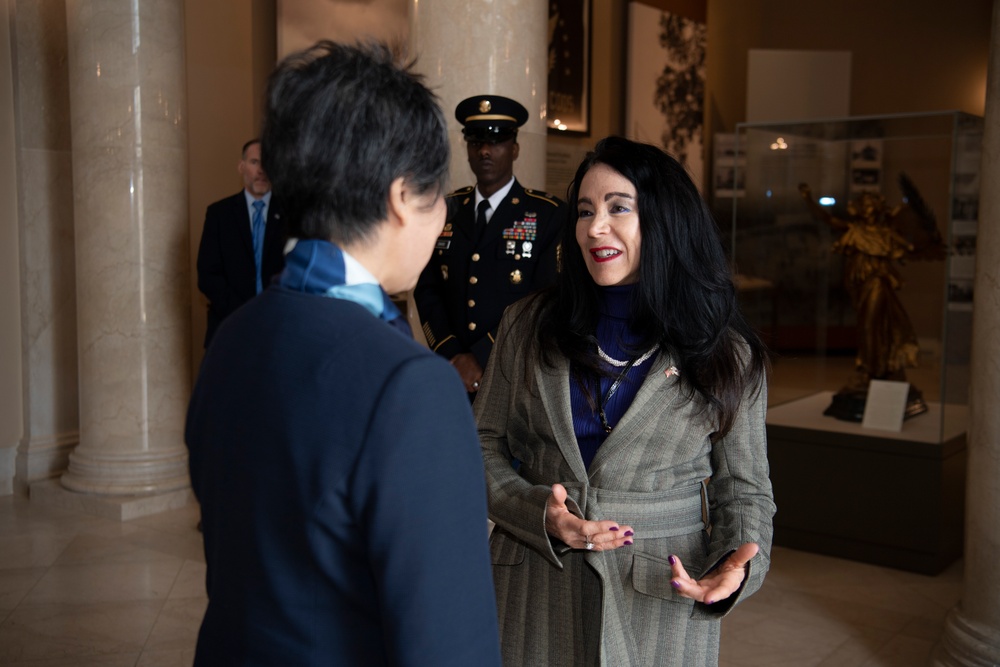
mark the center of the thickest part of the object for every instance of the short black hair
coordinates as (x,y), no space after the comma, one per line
(341,124)
(255,140)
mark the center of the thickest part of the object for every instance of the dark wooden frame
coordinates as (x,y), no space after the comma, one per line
(569,75)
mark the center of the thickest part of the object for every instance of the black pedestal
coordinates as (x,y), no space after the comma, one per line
(849,405)
(892,499)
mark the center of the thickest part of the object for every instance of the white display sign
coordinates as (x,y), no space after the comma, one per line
(886,405)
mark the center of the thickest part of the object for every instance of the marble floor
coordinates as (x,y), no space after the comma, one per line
(82,591)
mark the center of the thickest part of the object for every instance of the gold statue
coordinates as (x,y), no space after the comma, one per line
(874,241)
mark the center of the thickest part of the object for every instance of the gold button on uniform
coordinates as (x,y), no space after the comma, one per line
(472,303)
(475,257)
(472,326)
(473,280)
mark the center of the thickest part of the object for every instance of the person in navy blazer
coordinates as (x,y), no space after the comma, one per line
(335,459)
(227,270)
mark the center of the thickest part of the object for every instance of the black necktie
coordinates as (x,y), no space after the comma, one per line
(481,218)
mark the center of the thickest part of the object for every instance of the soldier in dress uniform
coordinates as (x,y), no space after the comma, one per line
(499,243)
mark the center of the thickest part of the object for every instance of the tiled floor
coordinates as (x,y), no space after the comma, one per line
(82,591)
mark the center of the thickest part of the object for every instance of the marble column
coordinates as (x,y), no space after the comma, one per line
(473,47)
(972,630)
(129,137)
(48,267)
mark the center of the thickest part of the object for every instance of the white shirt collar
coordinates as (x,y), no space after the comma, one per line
(251,199)
(355,273)
(495,198)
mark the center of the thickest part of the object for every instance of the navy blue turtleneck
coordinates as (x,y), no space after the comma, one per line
(619,341)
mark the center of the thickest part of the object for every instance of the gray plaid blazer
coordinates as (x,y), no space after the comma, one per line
(658,472)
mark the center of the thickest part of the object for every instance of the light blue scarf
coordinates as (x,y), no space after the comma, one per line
(320,267)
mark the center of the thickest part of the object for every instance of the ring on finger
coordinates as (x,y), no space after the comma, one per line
(588,545)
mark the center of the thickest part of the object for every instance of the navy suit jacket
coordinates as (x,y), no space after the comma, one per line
(227,273)
(342,494)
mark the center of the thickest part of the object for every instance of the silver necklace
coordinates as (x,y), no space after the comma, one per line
(626,366)
(614,362)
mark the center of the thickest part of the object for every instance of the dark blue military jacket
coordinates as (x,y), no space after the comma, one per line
(471,279)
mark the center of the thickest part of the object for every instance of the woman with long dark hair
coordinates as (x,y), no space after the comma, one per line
(633,394)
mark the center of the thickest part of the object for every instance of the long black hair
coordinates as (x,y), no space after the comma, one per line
(685,298)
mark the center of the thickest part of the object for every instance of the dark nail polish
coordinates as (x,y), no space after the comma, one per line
(628,542)
(675,584)
(672,560)
(614,528)
(629,533)
(709,601)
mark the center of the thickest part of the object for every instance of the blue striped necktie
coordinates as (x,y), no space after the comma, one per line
(258,239)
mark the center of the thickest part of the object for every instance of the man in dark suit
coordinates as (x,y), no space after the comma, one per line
(499,244)
(241,243)
(336,460)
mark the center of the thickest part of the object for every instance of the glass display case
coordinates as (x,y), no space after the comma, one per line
(792,282)
(795,193)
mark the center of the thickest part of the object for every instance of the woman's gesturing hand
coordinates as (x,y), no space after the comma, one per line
(720,583)
(579,533)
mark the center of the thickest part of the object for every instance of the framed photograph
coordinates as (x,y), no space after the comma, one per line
(728,167)
(569,67)
(866,166)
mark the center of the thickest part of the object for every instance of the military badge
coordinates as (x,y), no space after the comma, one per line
(526,249)
(444,271)
(510,247)
(442,244)
(523,230)
(515,277)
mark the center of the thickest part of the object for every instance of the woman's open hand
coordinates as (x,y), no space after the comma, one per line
(720,583)
(579,533)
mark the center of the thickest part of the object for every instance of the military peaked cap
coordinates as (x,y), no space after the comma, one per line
(490,117)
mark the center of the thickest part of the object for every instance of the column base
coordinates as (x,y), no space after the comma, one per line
(51,493)
(130,474)
(966,645)
(43,458)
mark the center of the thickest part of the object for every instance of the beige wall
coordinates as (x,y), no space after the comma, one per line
(917,55)
(230,49)
(11,428)
(907,56)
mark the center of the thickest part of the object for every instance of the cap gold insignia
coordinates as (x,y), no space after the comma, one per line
(515,201)
(485,106)
(515,276)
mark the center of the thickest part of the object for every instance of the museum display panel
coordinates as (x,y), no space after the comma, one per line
(854,245)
